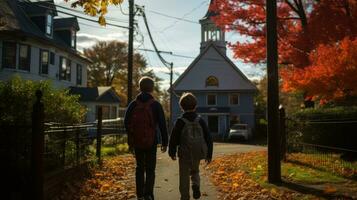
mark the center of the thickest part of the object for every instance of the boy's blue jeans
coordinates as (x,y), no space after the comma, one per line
(145,171)
(188,168)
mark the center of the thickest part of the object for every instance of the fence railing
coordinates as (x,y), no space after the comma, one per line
(37,154)
(341,161)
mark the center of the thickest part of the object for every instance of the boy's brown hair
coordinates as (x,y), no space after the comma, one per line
(146,84)
(188,101)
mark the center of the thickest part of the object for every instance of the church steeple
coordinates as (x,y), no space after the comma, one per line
(210,32)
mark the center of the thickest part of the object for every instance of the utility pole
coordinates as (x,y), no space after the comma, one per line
(171,93)
(274,168)
(130,50)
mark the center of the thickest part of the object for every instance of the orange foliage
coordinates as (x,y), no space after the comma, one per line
(114,179)
(304,27)
(332,74)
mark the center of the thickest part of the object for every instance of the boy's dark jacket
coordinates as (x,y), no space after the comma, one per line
(159,118)
(176,132)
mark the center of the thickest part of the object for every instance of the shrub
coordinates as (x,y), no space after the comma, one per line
(326,126)
(18,96)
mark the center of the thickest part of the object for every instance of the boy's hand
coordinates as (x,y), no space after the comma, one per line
(163,149)
(173,157)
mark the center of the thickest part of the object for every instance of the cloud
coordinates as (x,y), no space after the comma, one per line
(86,40)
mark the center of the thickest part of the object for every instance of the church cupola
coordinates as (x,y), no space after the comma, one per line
(210,32)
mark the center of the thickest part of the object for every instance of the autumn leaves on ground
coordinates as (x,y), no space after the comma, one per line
(237,176)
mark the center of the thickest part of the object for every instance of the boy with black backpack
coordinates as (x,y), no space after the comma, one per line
(142,119)
(194,142)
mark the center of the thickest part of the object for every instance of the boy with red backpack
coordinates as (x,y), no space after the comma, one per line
(143,118)
(193,139)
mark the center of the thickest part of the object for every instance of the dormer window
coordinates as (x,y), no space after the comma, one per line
(73,39)
(212,81)
(49,25)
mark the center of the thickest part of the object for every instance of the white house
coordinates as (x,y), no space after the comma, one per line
(93,97)
(36,44)
(225,95)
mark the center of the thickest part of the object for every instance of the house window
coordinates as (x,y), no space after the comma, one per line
(44,61)
(73,39)
(79,74)
(24,57)
(211,99)
(9,55)
(212,81)
(65,69)
(52,58)
(49,25)
(105,112)
(114,112)
(234,99)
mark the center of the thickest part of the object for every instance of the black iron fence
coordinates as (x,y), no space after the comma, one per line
(36,157)
(326,144)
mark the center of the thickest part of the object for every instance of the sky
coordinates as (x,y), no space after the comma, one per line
(172,35)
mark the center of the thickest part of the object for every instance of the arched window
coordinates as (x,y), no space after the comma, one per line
(212,81)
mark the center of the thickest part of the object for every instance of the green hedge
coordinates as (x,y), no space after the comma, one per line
(18,96)
(334,127)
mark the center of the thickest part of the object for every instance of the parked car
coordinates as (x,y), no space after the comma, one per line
(239,131)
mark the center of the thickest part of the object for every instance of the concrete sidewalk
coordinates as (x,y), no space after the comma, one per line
(167,173)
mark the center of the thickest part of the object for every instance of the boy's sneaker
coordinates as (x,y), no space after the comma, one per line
(196,192)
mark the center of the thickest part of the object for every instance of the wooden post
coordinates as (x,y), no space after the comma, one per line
(77,147)
(99,133)
(130,50)
(38,143)
(274,168)
(63,146)
(282,120)
(171,96)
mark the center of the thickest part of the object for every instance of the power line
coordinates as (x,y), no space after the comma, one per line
(173,17)
(183,17)
(73,15)
(166,64)
(182,56)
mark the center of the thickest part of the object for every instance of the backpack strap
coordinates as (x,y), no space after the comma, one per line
(185,120)
(197,119)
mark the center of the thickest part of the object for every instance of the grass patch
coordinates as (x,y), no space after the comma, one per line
(246,173)
(301,174)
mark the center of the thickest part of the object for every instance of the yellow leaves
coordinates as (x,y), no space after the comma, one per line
(96,7)
(329,189)
(113,180)
(105,188)
(101,20)
(232,175)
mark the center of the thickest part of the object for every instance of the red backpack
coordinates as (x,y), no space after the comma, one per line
(142,125)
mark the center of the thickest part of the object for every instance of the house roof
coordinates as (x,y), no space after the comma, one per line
(64,23)
(96,94)
(17,23)
(39,8)
(246,84)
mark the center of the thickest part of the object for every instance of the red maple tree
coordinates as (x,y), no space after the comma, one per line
(332,74)
(304,27)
